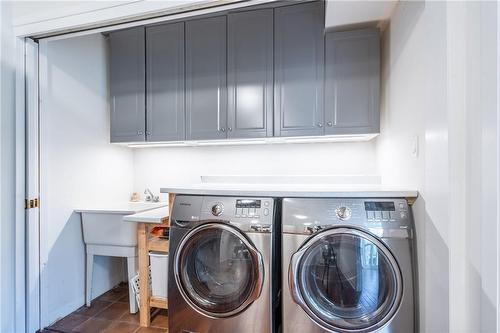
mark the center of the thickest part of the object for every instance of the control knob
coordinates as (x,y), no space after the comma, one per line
(343,213)
(217,209)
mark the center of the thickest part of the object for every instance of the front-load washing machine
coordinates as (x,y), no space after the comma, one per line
(220,268)
(348,266)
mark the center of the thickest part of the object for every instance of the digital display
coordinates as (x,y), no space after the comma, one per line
(247,203)
(379,206)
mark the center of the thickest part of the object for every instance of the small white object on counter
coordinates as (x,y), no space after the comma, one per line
(158,215)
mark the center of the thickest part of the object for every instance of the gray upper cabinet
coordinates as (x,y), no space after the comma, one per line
(244,74)
(352,82)
(206,91)
(127,85)
(165,82)
(250,74)
(299,69)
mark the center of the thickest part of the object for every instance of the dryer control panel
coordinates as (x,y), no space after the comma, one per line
(377,214)
(237,208)
(252,214)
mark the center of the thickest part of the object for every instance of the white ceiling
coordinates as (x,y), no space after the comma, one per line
(34,18)
(345,13)
(30,16)
(33,11)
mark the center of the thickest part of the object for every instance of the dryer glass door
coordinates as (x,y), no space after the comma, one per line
(345,280)
(218,270)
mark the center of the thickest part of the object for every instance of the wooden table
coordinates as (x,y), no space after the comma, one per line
(145,244)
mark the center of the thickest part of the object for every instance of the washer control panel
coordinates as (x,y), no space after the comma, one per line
(252,208)
(253,214)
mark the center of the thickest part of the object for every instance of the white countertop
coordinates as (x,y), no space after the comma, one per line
(124,208)
(292,190)
(158,215)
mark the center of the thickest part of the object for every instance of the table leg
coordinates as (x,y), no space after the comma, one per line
(143,258)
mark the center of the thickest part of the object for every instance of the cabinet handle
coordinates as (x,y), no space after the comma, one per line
(140,132)
(230,129)
(218,109)
(330,124)
(222,130)
(320,125)
(148,133)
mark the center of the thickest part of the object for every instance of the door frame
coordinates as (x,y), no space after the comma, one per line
(32,187)
(21,293)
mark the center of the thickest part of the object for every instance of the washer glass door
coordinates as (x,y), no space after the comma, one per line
(218,270)
(346,280)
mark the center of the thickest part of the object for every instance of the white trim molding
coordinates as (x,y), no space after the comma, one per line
(96,17)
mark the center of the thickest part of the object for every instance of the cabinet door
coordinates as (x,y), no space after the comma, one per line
(352,82)
(250,74)
(206,91)
(165,82)
(127,85)
(299,58)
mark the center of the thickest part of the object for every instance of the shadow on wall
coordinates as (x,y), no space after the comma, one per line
(409,13)
(436,280)
(432,272)
(413,83)
(65,67)
(108,272)
(488,307)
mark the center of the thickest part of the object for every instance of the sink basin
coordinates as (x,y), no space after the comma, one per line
(103,225)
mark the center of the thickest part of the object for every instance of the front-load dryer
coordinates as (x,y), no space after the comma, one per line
(220,267)
(348,266)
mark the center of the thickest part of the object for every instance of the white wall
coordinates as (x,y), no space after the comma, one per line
(78,168)
(7,175)
(439,74)
(482,171)
(161,167)
(414,109)
(339,14)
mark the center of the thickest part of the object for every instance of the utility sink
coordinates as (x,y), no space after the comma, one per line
(106,234)
(104,225)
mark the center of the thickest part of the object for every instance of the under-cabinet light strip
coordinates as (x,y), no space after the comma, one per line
(332,138)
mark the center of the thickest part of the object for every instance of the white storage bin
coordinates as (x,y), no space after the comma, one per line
(135,282)
(159,274)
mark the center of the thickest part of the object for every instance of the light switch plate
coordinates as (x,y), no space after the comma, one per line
(414,148)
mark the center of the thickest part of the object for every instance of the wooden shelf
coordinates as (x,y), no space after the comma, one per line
(145,244)
(160,303)
(158,245)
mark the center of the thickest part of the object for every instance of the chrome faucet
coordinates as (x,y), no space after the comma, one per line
(150,196)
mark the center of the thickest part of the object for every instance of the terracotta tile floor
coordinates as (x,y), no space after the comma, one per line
(109,314)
